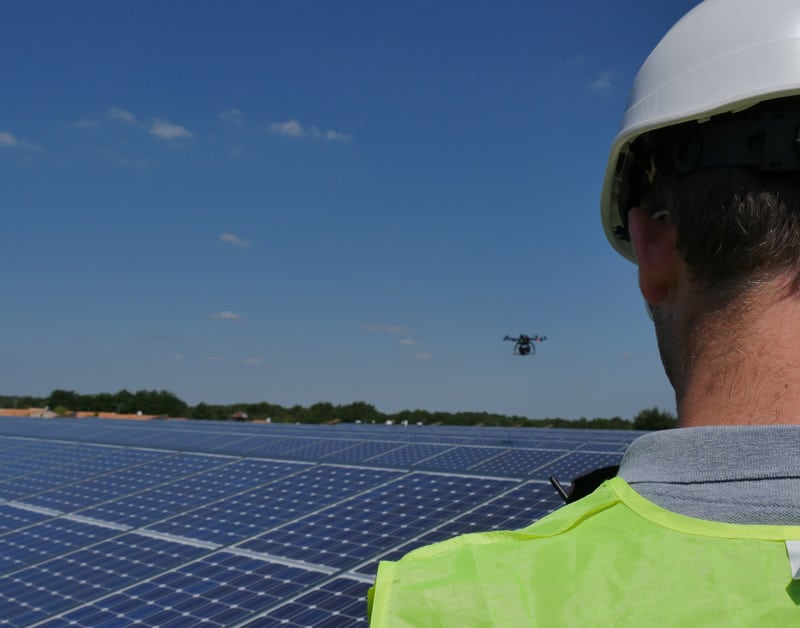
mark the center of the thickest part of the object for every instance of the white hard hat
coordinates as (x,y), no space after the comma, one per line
(723,56)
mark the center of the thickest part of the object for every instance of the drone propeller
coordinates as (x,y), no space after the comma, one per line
(525,339)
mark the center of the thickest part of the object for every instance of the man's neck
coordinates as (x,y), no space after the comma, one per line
(745,369)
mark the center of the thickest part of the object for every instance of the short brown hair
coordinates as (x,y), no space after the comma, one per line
(734,224)
(731,187)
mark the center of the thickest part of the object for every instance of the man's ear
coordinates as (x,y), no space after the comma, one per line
(654,241)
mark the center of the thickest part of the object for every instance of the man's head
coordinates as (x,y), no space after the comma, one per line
(702,188)
(731,188)
(721,64)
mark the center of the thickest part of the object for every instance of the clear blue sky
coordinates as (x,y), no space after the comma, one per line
(301,201)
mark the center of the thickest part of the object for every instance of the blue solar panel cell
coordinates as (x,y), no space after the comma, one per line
(341,602)
(318,448)
(45,540)
(25,457)
(204,591)
(408,455)
(346,534)
(251,512)
(361,452)
(461,458)
(130,480)
(517,462)
(82,469)
(271,446)
(12,518)
(227,478)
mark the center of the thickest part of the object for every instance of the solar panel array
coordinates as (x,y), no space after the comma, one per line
(176,523)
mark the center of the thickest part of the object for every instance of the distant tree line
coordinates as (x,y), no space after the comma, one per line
(156,402)
(166,403)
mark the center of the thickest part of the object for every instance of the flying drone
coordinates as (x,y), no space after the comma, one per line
(523,345)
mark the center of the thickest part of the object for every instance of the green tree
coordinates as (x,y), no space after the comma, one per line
(654,419)
(322,412)
(123,402)
(360,411)
(22,401)
(201,411)
(64,398)
(296,414)
(413,416)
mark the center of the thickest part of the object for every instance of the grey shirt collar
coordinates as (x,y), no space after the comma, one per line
(737,474)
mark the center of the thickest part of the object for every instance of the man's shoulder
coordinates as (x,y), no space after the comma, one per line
(550,526)
(478,567)
(590,563)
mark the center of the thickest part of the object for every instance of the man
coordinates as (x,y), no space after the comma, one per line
(702,525)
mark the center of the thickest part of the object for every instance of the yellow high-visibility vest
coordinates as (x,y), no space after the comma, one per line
(610,559)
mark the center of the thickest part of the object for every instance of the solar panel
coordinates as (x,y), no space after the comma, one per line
(224,589)
(337,603)
(45,540)
(518,462)
(176,497)
(175,523)
(12,518)
(462,457)
(353,530)
(361,451)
